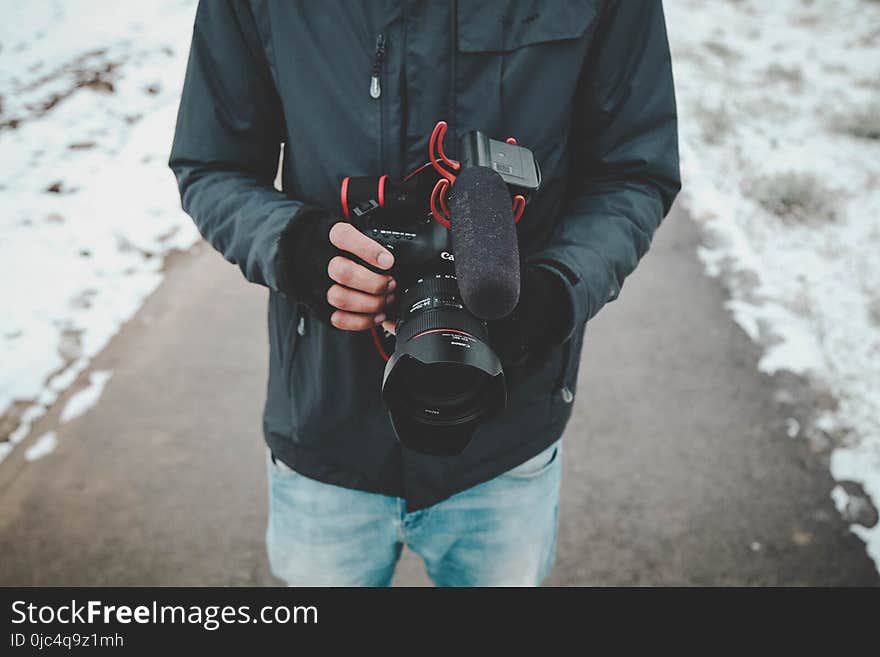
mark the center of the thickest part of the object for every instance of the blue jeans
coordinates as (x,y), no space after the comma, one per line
(498,533)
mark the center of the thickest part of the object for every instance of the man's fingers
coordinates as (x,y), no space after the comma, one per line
(348,238)
(347,321)
(390,326)
(360,294)
(345,298)
(350,274)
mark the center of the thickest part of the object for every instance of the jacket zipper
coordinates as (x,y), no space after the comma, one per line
(376,78)
(376,92)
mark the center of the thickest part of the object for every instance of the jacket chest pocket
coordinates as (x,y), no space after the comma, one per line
(503,26)
(518,64)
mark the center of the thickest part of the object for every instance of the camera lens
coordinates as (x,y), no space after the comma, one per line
(443,393)
(443,377)
(443,384)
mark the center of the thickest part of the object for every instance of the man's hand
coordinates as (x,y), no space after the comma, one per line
(358,294)
(324,263)
(541,321)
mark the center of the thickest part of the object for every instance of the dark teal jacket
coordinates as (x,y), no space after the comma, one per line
(586,84)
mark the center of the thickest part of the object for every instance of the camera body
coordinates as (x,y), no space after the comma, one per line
(420,246)
(442,378)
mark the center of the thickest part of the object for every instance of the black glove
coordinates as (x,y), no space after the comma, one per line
(542,318)
(304,251)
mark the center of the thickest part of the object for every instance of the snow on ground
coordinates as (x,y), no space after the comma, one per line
(84,399)
(779,109)
(88,97)
(42,446)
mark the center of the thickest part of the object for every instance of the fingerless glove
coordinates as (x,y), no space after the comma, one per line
(541,320)
(304,252)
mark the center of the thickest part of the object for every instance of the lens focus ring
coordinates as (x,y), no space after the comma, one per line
(452,320)
(441,285)
(435,303)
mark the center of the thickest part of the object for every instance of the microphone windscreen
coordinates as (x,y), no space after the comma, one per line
(484,243)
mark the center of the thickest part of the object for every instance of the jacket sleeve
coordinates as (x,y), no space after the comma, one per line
(624,158)
(227,142)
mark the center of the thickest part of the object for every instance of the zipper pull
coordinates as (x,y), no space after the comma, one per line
(375,83)
(301,327)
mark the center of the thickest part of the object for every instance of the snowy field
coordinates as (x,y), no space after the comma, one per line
(779,106)
(780,131)
(88,99)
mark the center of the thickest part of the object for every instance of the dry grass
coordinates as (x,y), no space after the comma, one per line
(793,77)
(874,311)
(715,123)
(722,51)
(863,123)
(798,197)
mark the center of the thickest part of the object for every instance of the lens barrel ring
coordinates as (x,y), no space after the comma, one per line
(446,318)
(441,285)
(435,303)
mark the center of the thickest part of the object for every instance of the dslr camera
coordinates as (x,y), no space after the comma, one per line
(442,377)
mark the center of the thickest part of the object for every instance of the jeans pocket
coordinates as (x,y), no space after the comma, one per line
(537,465)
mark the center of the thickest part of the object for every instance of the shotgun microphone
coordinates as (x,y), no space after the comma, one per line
(484,242)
